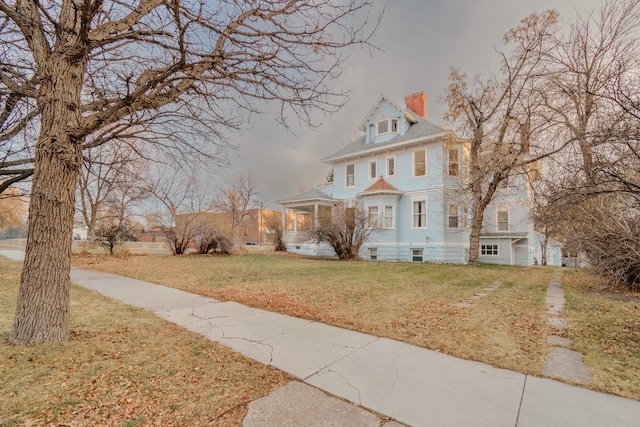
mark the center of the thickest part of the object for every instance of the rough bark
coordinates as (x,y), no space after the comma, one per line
(147,67)
(42,312)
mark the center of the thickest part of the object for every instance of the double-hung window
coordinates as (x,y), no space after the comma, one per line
(373,173)
(417,255)
(351,175)
(420,214)
(419,163)
(388,217)
(453,216)
(373,217)
(391,166)
(454,165)
(503,220)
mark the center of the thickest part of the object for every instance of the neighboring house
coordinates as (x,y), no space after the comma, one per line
(408,172)
(156,234)
(254,229)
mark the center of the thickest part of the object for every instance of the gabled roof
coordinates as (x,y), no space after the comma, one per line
(380,184)
(410,115)
(421,129)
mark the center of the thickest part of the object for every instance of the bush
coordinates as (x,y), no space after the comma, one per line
(607,231)
(348,228)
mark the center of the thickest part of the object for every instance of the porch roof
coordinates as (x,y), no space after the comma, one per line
(504,235)
(311,196)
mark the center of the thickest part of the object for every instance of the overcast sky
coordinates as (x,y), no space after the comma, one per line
(421,40)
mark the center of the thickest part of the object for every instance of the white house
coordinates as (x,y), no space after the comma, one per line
(407,171)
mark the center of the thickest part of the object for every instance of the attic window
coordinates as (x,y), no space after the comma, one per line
(386,126)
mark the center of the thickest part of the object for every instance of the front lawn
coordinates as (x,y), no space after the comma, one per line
(122,367)
(404,301)
(413,303)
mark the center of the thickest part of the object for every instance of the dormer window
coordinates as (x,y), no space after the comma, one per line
(386,126)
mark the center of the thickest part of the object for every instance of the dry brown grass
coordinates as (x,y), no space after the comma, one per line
(605,327)
(122,367)
(404,301)
(413,303)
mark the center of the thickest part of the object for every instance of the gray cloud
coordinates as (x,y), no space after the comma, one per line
(420,41)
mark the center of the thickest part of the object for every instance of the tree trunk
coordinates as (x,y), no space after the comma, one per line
(544,247)
(474,238)
(42,312)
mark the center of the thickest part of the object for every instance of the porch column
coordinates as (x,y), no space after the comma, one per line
(315,215)
(284,220)
(512,244)
(295,221)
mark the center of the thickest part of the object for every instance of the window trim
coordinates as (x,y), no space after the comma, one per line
(491,249)
(413,169)
(500,209)
(384,217)
(450,163)
(389,123)
(413,214)
(376,223)
(381,123)
(413,254)
(456,208)
(374,176)
(389,174)
(346,175)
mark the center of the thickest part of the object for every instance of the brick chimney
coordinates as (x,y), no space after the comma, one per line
(417,103)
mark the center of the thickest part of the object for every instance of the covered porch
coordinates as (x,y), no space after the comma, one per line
(506,248)
(303,212)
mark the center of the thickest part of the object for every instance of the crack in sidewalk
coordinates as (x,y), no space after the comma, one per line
(348,383)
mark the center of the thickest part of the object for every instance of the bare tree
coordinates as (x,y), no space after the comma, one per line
(109,181)
(496,115)
(591,95)
(88,68)
(184,202)
(346,231)
(273,225)
(128,191)
(582,67)
(179,236)
(237,199)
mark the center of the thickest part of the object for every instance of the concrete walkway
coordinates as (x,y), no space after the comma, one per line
(398,381)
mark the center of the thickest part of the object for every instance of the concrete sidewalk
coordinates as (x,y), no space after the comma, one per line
(412,385)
